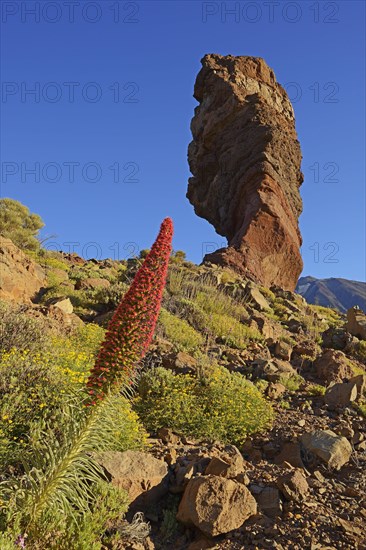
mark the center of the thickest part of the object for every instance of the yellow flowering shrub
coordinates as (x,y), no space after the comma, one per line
(221,405)
(35,384)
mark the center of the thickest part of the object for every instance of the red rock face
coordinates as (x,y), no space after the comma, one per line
(245,159)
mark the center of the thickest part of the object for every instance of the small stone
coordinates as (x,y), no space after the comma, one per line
(334,450)
(269,502)
(215,505)
(293,485)
(229,464)
(360,381)
(275,390)
(168,436)
(283,350)
(290,453)
(340,395)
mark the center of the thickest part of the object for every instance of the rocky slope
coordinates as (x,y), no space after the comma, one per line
(337,293)
(300,484)
(21,277)
(245,159)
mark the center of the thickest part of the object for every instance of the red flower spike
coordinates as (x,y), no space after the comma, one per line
(132,326)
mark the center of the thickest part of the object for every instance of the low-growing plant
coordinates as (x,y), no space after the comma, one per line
(316,389)
(360,406)
(221,405)
(34,385)
(62,476)
(267,293)
(280,310)
(331,315)
(261,384)
(110,296)
(53,263)
(231,331)
(19,330)
(291,383)
(169,524)
(179,332)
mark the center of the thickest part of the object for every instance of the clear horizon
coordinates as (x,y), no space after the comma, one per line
(97,102)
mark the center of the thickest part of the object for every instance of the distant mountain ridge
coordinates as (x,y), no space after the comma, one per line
(337,293)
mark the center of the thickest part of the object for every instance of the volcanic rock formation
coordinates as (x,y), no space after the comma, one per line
(245,159)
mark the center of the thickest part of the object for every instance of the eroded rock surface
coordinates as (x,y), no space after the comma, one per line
(20,277)
(245,160)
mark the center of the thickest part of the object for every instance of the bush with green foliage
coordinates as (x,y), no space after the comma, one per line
(19,224)
(291,383)
(110,296)
(36,384)
(221,405)
(179,332)
(61,475)
(20,330)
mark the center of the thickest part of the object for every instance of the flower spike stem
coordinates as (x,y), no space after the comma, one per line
(132,326)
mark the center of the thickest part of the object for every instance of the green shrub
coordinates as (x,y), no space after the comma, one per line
(213,301)
(331,316)
(360,407)
(110,296)
(98,526)
(222,406)
(53,263)
(35,384)
(280,310)
(179,332)
(291,383)
(18,224)
(19,330)
(268,294)
(178,257)
(316,389)
(230,331)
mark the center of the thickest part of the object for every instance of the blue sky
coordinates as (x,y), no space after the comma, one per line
(106,130)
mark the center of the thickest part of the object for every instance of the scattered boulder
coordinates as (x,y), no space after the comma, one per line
(256,298)
(332,449)
(275,390)
(283,350)
(336,338)
(103,319)
(340,395)
(296,326)
(333,366)
(274,370)
(215,505)
(91,283)
(290,453)
(168,436)
(293,485)
(307,347)
(21,278)
(62,303)
(144,477)
(180,362)
(269,502)
(74,258)
(360,381)
(269,329)
(356,322)
(229,464)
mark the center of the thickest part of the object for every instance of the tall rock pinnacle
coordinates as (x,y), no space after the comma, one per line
(245,159)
